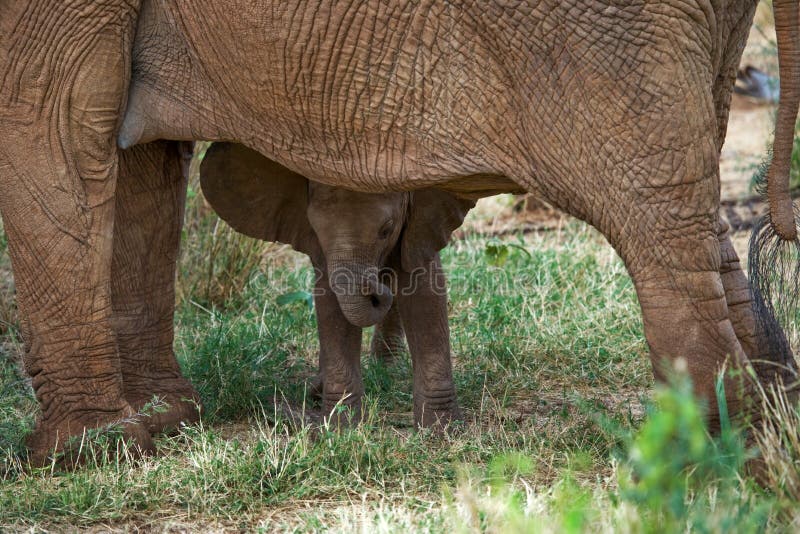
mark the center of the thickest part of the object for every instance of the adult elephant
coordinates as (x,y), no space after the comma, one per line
(613,111)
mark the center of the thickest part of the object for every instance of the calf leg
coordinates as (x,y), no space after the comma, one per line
(339,358)
(388,340)
(422,301)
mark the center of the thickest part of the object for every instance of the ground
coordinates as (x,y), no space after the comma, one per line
(550,365)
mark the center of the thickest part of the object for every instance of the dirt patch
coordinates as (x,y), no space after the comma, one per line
(749,133)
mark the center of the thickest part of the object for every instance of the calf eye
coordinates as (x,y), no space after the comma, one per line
(386,229)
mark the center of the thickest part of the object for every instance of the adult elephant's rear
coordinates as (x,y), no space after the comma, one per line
(612,111)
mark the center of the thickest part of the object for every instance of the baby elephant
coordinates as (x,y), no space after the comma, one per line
(360,245)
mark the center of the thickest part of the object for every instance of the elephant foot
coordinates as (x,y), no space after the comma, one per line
(91,434)
(315,387)
(342,410)
(439,420)
(164,403)
(437,413)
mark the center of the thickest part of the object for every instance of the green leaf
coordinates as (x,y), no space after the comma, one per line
(497,254)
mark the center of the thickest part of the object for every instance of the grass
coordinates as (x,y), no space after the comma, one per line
(551,369)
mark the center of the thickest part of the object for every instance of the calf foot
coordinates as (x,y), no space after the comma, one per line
(315,387)
(164,403)
(342,409)
(81,435)
(437,409)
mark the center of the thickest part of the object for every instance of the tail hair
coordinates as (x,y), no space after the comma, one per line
(774,271)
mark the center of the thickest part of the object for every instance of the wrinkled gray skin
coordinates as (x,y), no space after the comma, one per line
(358,243)
(613,111)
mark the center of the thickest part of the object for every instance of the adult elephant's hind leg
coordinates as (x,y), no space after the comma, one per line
(672,251)
(149,215)
(772,358)
(62,98)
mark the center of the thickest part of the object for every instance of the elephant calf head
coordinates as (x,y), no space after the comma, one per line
(350,234)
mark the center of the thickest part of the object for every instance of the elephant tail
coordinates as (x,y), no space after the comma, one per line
(774,255)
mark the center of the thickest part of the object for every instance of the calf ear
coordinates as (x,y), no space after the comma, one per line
(257,196)
(433,216)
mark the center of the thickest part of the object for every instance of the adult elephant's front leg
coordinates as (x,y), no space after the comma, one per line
(422,301)
(62,98)
(149,215)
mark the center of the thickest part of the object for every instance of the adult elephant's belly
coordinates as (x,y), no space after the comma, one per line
(354,96)
(359,158)
(405,168)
